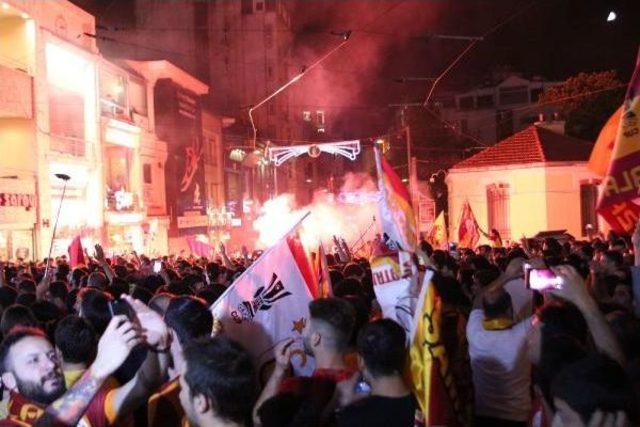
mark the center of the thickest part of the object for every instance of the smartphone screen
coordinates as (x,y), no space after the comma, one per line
(543,279)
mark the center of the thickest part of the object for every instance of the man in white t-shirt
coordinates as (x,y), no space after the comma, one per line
(521,298)
(499,363)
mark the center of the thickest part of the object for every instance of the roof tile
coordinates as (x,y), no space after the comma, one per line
(531,145)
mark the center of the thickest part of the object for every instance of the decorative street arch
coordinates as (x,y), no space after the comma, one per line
(348,149)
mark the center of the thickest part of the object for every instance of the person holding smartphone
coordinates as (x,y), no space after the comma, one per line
(497,348)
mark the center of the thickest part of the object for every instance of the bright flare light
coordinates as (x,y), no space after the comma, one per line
(328,216)
(612,16)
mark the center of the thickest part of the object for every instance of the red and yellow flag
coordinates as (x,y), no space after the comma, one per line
(321,272)
(621,185)
(431,376)
(396,211)
(601,153)
(468,233)
(437,236)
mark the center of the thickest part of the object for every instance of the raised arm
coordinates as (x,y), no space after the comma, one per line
(117,341)
(225,259)
(102,260)
(513,271)
(280,372)
(574,290)
(153,371)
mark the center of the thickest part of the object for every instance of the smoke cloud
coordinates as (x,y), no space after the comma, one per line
(349,214)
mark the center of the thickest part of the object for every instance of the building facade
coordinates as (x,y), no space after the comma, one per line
(494,112)
(193,138)
(65,110)
(536,180)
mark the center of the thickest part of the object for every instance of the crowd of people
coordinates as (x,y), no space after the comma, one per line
(132,341)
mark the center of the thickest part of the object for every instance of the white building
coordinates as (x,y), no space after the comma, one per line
(533,181)
(133,162)
(65,110)
(492,113)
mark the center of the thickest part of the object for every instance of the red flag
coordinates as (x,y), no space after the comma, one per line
(76,253)
(468,234)
(621,185)
(396,211)
(199,248)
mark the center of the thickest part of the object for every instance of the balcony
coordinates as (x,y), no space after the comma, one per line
(68,145)
(16,94)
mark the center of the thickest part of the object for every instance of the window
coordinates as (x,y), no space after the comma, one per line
(146,173)
(246,7)
(466,103)
(588,201)
(138,98)
(271,5)
(320,117)
(514,95)
(485,101)
(306,116)
(535,94)
(498,209)
(66,113)
(113,96)
(259,6)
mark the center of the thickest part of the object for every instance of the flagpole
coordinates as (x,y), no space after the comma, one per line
(251,267)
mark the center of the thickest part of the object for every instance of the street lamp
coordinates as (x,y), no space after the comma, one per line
(65,178)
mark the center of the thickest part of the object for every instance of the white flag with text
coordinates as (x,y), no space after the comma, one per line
(269,303)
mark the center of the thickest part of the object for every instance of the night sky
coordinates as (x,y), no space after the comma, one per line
(548,38)
(553,39)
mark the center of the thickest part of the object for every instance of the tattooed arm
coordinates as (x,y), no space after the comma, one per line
(120,337)
(67,410)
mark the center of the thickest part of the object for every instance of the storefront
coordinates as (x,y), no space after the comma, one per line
(18,204)
(80,213)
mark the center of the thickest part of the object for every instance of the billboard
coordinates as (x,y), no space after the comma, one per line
(179,123)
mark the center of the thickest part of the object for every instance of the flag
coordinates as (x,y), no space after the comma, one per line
(468,234)
(621,184)
(394,283)
(269,303)
(76,253)
(199,248)
(602,149)
(398,218)
(437,236)
(321,272)
(430,370)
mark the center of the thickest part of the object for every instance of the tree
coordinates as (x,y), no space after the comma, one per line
(586,101)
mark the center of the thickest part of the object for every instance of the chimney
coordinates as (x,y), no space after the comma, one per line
(553,124)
